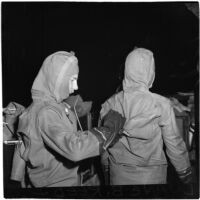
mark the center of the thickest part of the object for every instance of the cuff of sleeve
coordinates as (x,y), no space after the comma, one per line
(185,172)
(101,138)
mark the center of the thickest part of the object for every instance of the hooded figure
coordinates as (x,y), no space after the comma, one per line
(52,146)
(138,157)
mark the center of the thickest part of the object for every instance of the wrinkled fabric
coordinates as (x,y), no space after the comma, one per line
(138,158)
(52,147)
(18,165)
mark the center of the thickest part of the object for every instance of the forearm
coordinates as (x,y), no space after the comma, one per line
(75,147)
(175,146)
(178,154)
(60,135)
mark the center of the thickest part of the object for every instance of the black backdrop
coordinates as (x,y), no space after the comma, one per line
(101,35)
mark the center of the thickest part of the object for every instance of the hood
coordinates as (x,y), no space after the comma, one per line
(52,81)
(139,70)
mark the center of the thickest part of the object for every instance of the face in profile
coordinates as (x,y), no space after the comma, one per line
(73,83)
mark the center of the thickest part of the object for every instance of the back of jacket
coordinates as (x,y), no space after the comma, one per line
(150,120)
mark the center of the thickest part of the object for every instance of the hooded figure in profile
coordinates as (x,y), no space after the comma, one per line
(52,147)
(138,157)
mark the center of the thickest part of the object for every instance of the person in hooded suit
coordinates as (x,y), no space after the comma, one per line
(52,147)
(139,157)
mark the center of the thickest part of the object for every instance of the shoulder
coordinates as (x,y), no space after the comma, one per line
(148,100)
(49,109)
(161,99)
(164,103)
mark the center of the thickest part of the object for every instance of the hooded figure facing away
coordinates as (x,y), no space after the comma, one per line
(52,148)
(138,157)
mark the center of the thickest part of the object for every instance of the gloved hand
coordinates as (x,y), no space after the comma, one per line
(186,176)
(76,102)
(10,117)
(111,130)
(13,109)
(113,121)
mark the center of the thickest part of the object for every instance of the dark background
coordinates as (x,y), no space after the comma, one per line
(101,35)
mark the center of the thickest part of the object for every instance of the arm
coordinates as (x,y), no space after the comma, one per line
(175,146)
(18,165)
(61,137)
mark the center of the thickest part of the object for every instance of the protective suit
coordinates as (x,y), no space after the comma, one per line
(138,157)
(52,147)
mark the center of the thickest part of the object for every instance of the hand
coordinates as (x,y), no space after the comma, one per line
(110,132)
(114,121)
(186,176)
(105,137)
(13,109)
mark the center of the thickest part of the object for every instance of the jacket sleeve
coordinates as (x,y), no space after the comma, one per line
(60,136)
(175,146)
(18,165)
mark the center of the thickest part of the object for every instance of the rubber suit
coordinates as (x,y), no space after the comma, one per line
(138,157)
(52,147)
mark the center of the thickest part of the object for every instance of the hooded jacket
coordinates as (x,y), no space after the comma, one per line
(138,158)
(52,146)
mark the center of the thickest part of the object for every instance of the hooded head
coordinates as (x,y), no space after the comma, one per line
(139,69)
(53,79)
